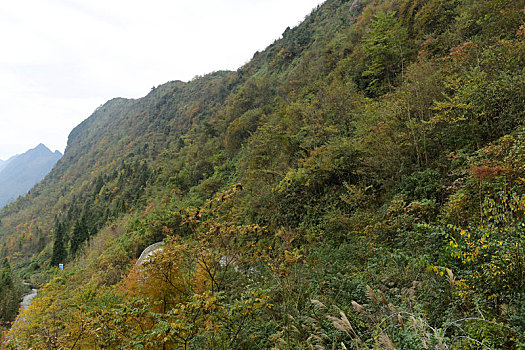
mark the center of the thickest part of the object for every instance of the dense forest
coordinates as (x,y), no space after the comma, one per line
(359,184)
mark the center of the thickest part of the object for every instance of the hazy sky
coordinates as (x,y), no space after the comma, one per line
(60,59)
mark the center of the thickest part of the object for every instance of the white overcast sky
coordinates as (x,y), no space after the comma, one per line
(60,59)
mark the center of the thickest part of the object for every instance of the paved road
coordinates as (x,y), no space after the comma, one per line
(149,251)
(27,299)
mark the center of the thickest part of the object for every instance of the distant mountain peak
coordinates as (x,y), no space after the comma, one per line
(41,147)
(20,173)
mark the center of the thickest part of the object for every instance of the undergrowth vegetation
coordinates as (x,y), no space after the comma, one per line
(360,184)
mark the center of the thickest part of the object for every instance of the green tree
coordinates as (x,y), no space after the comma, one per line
(9,293)
(79,236)
(240,129)
(386,50)
(59,250)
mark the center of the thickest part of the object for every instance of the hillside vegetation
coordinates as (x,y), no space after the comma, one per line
(359,184)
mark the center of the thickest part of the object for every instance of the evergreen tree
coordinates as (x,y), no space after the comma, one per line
(80,235)
(59,250)
(9,294)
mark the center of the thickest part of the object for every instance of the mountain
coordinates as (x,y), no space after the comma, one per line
(20,173)
(357,184)
(3,163)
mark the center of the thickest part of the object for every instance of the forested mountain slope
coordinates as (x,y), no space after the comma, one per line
(359,182)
